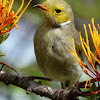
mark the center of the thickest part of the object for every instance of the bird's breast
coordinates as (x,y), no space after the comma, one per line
(54,60)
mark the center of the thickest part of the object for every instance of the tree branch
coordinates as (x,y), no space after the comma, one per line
(3,63)
(31,86)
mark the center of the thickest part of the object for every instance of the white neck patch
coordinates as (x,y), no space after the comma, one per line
(65,23)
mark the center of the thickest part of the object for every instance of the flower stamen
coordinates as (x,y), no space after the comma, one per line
(8,18)
(90,56)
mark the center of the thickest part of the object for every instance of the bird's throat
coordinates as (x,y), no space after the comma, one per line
(65,23)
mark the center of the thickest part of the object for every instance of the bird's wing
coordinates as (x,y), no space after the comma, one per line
(79,51)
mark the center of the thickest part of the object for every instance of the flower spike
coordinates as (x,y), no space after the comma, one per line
(8,18)
(90,56)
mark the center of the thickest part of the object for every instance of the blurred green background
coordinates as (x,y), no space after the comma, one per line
(19,47)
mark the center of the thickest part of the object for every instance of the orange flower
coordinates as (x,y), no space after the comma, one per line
(8,18)
(90,56)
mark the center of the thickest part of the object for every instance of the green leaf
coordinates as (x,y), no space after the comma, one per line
(94,88)
(7,27)
(3,37)
(2,54)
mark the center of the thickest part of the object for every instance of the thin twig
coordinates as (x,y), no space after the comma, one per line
(8,66)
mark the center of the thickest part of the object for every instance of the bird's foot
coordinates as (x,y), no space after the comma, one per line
(75,91)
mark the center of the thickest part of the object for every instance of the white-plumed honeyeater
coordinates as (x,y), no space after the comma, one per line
(50,42)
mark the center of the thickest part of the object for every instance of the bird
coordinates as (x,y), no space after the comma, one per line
(51,39)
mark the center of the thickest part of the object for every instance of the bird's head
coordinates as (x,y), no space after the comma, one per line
(57,12)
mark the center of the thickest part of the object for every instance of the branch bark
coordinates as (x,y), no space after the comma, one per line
(28,83)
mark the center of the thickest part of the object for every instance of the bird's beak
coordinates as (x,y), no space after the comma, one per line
(42,6)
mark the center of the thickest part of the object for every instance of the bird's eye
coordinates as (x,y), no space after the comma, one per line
(58,10)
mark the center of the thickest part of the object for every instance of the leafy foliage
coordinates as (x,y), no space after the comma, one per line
(2,54)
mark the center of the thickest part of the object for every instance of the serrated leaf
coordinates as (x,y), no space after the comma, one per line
(2,54)
(3,37)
